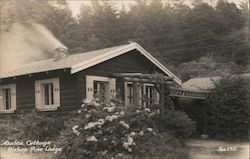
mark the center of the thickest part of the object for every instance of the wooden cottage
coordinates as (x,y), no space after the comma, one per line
(61,84)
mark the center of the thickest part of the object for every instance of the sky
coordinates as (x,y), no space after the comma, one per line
(74,5)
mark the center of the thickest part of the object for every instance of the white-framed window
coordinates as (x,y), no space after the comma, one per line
(150,94)
(147,94)
(8,98)
(47,94)
(101,87)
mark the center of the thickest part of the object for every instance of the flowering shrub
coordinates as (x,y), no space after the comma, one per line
(106,131)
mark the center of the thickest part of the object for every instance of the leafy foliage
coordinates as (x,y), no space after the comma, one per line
(106,131)
(99,131)
(172,31)
(227,110)
(207,67)
(32,126)
(42,127)
(178,124)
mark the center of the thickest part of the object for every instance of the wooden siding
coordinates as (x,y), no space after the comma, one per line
(69,99)
(72,87)
(129,63)
(132,62)
(25,94)
(25,89)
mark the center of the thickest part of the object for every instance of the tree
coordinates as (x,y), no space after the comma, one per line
(227,113)
(98,21)
(59,20)
(172,31)
(230,15)
(55,15)
(207,67)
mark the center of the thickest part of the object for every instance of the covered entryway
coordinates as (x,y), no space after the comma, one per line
(145,89)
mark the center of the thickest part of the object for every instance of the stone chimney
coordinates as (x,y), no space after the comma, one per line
(60,53)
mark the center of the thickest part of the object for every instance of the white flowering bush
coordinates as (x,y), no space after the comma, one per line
(98,130)
(110,131)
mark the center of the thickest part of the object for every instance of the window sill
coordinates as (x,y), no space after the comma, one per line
(7,111)
(44,109)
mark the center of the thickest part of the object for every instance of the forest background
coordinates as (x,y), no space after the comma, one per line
(193,40)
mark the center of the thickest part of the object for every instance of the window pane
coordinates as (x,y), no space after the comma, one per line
(7,98)
(48,95)
(150,93)
(52,93)
(100,90)
(130,93)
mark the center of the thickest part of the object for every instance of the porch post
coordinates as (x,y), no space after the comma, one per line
(162,95)
(162,100)
(204,118)
(135,94)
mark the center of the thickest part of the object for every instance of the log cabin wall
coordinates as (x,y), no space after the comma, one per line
(25,89)
(132,62)
(73,87)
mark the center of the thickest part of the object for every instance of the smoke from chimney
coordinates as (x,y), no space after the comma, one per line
(22,45)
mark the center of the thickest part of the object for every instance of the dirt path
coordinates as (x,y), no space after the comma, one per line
(207,149)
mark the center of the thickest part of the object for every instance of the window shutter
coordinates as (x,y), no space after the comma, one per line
(89,87)
(38,94)
(1,99)
(112,88)
(56,91)
(126,93)
(13,97)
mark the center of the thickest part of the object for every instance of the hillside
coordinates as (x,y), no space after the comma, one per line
(176,33)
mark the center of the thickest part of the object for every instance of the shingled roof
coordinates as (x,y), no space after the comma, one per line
(81,61)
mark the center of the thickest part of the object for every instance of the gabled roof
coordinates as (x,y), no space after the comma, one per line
(82,61)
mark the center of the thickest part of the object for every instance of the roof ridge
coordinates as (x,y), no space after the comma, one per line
(97,50)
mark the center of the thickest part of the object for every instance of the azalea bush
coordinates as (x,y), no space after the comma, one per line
(105,131)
